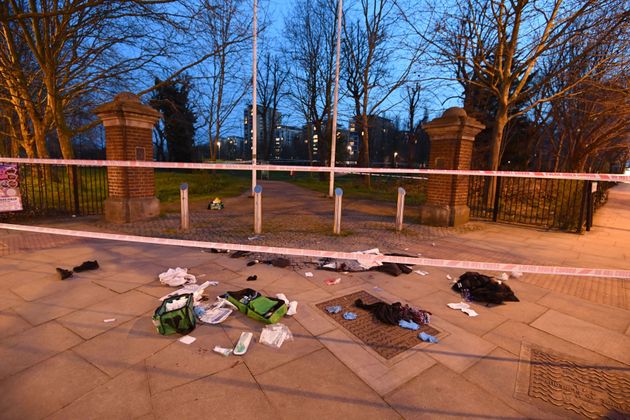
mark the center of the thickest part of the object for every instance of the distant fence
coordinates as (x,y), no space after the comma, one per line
(55,190)
(566,204)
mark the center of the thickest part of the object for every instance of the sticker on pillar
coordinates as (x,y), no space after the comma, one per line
(140,153)
(10,199)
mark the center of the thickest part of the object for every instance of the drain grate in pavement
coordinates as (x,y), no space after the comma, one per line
(386,340)
(590,391)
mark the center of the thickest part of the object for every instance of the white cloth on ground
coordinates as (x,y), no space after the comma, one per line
(176,277)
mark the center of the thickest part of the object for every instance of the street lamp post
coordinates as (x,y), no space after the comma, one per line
(396,159)
(219,145)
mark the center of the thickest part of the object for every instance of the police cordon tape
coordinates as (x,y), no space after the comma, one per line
(337,169)
(430,262)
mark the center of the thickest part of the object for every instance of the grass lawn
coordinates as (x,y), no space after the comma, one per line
(382,188)
(202,184)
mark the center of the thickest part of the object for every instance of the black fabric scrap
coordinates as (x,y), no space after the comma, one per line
(279,262)
(240,254)
(484,289)
(85,266)
(64,274)
(394,313)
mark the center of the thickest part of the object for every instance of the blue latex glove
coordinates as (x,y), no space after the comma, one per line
(427,337)
(333,309)
(349,316)
(410,325)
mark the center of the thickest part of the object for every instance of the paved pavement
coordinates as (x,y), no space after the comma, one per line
(58,359)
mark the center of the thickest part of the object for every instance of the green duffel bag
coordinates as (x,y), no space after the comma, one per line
(180,321)
(241,298)
(266,309)
(254,305)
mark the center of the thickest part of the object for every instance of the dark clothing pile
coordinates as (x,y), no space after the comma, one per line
(394,313)
(393,269)
(481,288)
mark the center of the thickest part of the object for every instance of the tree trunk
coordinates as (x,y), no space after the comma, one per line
(500,121)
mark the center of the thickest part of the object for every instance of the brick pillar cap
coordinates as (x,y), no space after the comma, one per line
(455,112)
(129,104)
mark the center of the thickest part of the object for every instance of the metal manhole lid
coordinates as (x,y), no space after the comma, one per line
(386,340)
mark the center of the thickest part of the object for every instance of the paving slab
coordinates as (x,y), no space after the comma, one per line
(61,303)
(11,323)
(179,363)
(229,394)
(260,358)
(511,335)
(19,277)
(496,373)
(306,389)
(48,386)
(436,303)
(45,286)
(526,291)
(9,299)
(380,374)
(89,322)
(593,337)
(460,349)
(611,318)
(290,284)
(410,286)
(124,346)
(34,345)
(441,393)
(124,397)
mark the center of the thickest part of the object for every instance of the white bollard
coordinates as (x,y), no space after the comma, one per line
(183,196)
(400,208)
(258,209)
(337,223)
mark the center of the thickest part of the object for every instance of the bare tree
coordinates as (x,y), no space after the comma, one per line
(271,80)
(26,115)
(310,40)
(495,45)
(590,121)
(371,46)
(223,29)
(412,99)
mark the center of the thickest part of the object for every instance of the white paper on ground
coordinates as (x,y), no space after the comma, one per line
(464,307)
(282,297)
(176,277)
(308,274)
(215,315)
(109,320)
(195,289)
(460,305)
(292,308)
(422,273)
(470,312)
(222,350)
(368,263)
(187,339)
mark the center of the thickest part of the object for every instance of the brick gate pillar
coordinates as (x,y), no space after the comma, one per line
(452,137)
(128,136)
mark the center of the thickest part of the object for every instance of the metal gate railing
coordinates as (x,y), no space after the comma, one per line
(50,190)
(564,204)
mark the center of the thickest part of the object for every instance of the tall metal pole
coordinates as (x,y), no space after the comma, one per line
(254,105)
(333,141)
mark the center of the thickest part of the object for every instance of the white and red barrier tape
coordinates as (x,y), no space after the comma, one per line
(342,170)
(465,265)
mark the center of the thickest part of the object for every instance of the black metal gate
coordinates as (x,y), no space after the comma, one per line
(565,204)
(52,190)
